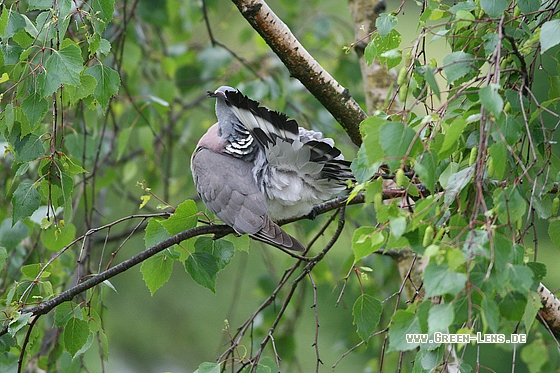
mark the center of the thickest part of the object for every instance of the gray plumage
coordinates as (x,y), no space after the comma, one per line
(255,165)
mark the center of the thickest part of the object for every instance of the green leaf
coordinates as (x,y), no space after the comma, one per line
(221,250)
(453,133)
(398,226)
(203,268)
(85,89)
(491,314)
(184,217)
(370,130)
(7,119)
(75,335)
(513,306)
(456,183)
(28,148)
(491,99)
(387,44)
(535,355)
(63,67)
(534,304)
(17,323)
(367,312)
(366,240)
(65,312)
(539,270)
(34,107)
(71,167)
(379,45)
(440,317)
(39,4)
(520,277)
(25,201)
(156,271)
(155,232)
(440,280)
(431,79)
(12,234)
(103,10)
(550,34)
(509,204)
(499,154)
(108,83)
(385,23)
(554,232)
(491,41)
(57,237)
(494,8)
(403,323)
(457,65)
(208,368)
(98,44)
(518,104)
(370,52)
(241,243)
(6,343)
(399,141)
(31,271)
(528,6)
(16,23)
(426,168)
(11,53)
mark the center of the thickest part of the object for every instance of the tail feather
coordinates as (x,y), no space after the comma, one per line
(272,234)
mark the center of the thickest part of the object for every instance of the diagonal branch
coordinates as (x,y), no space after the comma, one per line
(548,316)
(302,66)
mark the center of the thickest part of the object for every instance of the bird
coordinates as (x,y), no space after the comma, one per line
(256,166)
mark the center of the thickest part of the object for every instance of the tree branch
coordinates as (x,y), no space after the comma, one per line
(302,66)
(549,315)
(67,295)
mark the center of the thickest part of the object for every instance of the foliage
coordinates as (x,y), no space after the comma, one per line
(101,108)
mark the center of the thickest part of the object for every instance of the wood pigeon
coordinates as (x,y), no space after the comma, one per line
(255,165)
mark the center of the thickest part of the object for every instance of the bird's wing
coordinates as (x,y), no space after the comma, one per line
(308,152)
(227,187)
(265,125)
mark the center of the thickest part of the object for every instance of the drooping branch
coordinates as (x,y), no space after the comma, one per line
(48,305)
(302,66)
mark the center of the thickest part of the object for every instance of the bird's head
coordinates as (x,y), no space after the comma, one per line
(227,120)
(220,93)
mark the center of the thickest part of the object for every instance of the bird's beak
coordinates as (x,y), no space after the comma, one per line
(217,94)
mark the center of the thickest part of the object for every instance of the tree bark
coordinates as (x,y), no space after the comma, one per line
(302,66)
(377,80)
(549,315)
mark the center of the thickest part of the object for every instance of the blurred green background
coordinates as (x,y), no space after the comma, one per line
(167,64)
(183,324)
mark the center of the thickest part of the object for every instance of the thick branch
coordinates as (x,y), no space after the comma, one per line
(549,315)
(302,66)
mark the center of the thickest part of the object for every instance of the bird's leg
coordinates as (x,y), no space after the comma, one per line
(217,236)
(312,214)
